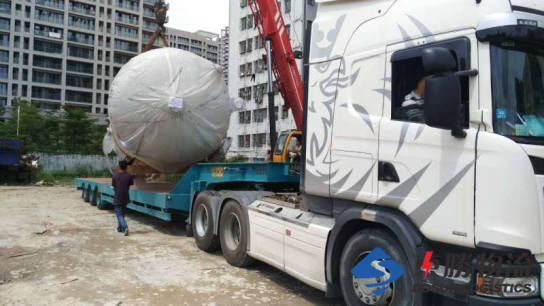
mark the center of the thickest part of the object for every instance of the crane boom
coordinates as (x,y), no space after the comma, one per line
(269,21)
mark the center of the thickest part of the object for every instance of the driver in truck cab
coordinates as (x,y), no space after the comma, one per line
(414,103)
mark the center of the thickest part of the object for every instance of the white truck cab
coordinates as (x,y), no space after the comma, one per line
(457,171)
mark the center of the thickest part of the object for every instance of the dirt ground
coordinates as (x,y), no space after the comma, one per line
(81,260)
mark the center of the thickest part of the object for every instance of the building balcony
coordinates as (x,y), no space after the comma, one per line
(150,27)
(88,41)
(150,2)
(59,5)
(127,6)
(80,10)
(51,19)
(47,34)
(149,14)
(127,34)
(123,19)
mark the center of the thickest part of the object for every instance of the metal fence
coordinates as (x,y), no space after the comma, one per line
(49,162)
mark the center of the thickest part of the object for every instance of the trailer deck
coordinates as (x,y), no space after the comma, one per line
(162,200)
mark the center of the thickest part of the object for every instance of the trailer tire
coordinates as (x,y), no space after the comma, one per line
(101,205)
(189,230)
(358,246)
(234,235)
(94,196)
(87,197)
(203,224)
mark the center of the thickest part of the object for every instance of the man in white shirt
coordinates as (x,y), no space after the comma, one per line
(417,96)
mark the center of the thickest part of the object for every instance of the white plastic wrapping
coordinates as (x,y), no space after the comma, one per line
(169,109)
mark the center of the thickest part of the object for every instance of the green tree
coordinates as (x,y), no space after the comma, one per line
(77,131)
(31,126)
(53,139)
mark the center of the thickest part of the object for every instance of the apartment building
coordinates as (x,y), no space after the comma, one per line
(248,77)
(224,60)
(58,53)
(205,44)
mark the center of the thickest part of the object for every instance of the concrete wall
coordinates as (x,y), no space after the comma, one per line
(49,162)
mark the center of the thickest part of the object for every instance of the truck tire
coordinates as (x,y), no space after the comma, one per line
(94,196)
(234,236)
(99,203)
(203,225)
(87,197)
(353,289)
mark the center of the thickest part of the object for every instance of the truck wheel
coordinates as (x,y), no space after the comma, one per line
(354,290)
(94,195)
(99,203)
(234,236)
(203,225)
(87,197)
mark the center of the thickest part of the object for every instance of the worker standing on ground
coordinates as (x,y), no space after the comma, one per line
(121,183)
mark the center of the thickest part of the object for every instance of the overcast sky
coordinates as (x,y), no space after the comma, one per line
(194,15)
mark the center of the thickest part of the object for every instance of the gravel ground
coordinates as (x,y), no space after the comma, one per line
(81,260)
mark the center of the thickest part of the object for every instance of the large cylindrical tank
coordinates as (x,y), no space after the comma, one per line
(169,109)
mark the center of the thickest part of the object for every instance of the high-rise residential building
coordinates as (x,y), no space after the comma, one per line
(58,53)
(248,77)
(225,52)
(205,44)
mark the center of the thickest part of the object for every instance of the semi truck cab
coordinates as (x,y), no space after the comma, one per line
(463,165)
(424,137)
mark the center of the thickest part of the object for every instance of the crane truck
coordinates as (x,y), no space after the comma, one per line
(454,172)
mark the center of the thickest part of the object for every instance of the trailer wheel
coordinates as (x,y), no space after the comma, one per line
(354,290)
(203,225)
(94,196)
(87,197)
(234,236)
(99,203)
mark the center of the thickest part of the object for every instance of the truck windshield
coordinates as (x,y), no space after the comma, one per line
(517,70)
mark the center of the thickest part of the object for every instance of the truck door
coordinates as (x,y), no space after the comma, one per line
(357,113)
(426,172)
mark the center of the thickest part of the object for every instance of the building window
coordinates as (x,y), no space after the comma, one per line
(43,46)
(79,67)
(244,117)
(78,96)
(259,115)
(3,72)
(43,93)
(79,81)
(3,89)
(245,93)
(242,47)
(46,77)
(47,62)
(287,6)
(80,52)
(259,140)
(284,113)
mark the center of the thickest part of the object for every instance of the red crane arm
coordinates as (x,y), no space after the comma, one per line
(269,21)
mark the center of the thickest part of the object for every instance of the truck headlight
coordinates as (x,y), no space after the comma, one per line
(508,287)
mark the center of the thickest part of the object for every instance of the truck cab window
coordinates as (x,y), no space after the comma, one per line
(409,80)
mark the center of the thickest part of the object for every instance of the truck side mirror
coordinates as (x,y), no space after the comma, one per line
(442,91)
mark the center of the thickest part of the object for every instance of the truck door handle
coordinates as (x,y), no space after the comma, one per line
(387,172)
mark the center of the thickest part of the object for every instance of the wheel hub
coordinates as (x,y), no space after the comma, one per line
(233,233)
(365,294)
(201,220)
